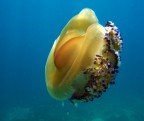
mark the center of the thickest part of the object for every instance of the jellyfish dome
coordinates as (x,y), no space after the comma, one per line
(84,59)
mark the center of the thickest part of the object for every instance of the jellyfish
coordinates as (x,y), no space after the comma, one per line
(84,59)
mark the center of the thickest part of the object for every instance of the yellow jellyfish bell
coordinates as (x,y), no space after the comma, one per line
(84,59)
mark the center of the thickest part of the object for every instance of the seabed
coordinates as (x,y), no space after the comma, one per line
(99,112)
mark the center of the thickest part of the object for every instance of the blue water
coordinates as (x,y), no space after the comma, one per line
(28,29)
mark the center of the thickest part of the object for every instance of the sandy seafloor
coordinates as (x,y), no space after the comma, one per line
(98,111)
(28,29)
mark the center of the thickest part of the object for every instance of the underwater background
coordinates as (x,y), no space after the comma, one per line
(28,29)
